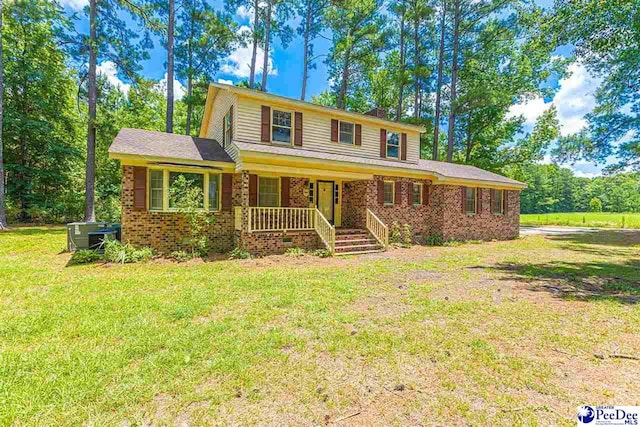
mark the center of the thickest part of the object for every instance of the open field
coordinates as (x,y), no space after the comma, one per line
(496,333)
(584,219)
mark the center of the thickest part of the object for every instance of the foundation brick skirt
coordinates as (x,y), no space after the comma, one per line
(272,243)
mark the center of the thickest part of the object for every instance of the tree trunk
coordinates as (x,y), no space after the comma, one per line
(170,33)
(189,106)
(187,128)
(3,216)
(90,176)
(436,124)
(454,82)
(416,68)
(344,80)
(469,145)
(267,40)
(305,59)
(254,53)
(401,70)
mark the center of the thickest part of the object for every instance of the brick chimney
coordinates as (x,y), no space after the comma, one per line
(377,112)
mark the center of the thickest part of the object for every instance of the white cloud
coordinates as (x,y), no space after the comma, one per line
(75,4)
(244,12)
(238,62)
(573,100)
(178,89)
(108,70)
(225,82)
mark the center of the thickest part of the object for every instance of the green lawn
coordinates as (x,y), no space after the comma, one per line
(584,219)
(486,334)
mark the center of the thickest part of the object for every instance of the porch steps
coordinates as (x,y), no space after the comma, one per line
(356,242)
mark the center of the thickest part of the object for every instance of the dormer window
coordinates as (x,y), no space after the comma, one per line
(226,131)
(281,127)
(346,132)
(393,145)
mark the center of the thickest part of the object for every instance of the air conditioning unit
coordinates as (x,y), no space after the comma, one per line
(97,238)
(78,234)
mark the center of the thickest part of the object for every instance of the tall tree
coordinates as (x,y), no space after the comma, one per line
(276,14)
(606,34)
(436,119)
(171,25)
(454,80)
(400,8)
(203,38)
(256,32)
(110,39)
(419,13)
(359,36)
(3,215)
(311,13)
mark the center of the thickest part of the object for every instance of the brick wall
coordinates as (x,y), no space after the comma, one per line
(454,224)
(166,231)
(357,196)
(442,215)
(270,243)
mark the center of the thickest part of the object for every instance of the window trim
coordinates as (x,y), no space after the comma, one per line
(501,212)
(393,193)
(419,184)
(353,132)
(279,181)
(165,188)
(291,128)
(475,202)
(389,133)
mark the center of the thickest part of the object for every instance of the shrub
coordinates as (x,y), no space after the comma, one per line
(181,256)
(407,235)
(294,252)
(435,240)
(239,253)
(322,253)
(595,205)
(85,257)
(395,236)
(114,251)
(188,200)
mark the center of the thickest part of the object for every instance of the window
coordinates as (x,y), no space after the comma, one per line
(226,132)
(156,186)
(346,133)
(268,194)
(281,127)
(190,181)
(214,192)
(417,193)
(336,194)
(497,201)
(312,196)
(389,187)
(393,145)
(470,200)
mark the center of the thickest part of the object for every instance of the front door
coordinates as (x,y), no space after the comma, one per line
(325,199)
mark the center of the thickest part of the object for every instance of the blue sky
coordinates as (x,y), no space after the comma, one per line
(574,97)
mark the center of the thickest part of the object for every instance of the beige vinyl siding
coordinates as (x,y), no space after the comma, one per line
(316,131)
(221,105)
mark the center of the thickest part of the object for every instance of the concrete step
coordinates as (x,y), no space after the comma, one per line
(344,231)
(351,242)
(373,251)
(353,236)
(358,247)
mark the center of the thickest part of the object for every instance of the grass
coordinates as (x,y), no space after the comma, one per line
(584,219)
(490,333)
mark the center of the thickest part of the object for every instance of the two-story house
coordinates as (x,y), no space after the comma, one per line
(278,172)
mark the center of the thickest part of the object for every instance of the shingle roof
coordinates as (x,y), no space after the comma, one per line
(444,171)
(140,142)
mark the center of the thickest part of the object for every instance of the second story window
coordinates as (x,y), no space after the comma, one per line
(281,127)
(346,133)
(393,145)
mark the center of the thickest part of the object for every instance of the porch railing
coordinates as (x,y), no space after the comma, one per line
(325,230)
(376,227)
(280,219)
